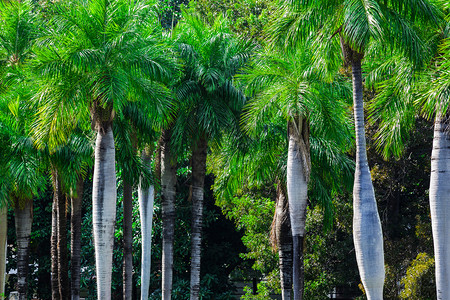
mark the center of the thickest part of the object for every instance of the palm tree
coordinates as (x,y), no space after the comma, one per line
(24,177)
(284,86)
(146,195)
(18,30)
(98,56)
(168,192)
(437,103)
(135,131)
(242,163)
(358,25)
(396,107)
(140,124)
(68,164)
(209,104)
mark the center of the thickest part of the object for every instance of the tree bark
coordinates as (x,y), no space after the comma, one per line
(298,268)
(127,240)
(197,189)
(3,245)
(104,209)
(298,172)
(63,265)
(54,246)
(23,219)
(440,205)
(284,242)
(77,200)
(367,234)
(168,191)
(146,200)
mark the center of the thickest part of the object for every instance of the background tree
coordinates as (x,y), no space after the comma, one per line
(209,104)
(19,27)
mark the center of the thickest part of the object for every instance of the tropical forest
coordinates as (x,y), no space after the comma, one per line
(224,149)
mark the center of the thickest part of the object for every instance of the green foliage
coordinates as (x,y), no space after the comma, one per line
(263,292)
(94,59)
(252,214)
(248,17)
(209,102)
(419,280)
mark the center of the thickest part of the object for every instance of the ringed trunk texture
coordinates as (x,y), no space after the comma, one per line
(63,266)
(440,205)
(54,249)
(3,245)
(146,195)
(367,234)
(168,191)
(75,220)
(104,209)
(298,172)
(283,237)
(127,240)
(23,220)
(298,269)
(197,189)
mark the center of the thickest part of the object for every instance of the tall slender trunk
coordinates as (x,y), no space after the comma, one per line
(367,234)
(284,242)
(3,237)
(75,220)
(23,218)
(60,275)
(104,209)
(168,191)
(127,240)
(197,189)
(440,205)
(54,248)
(146,200)
(298,172)
(63,265)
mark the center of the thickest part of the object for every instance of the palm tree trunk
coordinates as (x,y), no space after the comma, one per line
(63,265)
(54,248)
(284,243)
(168,191)
(23,219)
(3,237)
(75,225)
(146,200)
(127,240)
(198,181)
(440,205)
(298,171)
(367,234)
(104,209)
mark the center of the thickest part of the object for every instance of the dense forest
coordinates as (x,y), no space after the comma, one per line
(224,149)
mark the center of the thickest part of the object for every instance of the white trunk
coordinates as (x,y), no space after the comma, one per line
(297,188)
(3,244)
(146,198)
(367,234)
(440,206)
(104,210)
(298,171)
